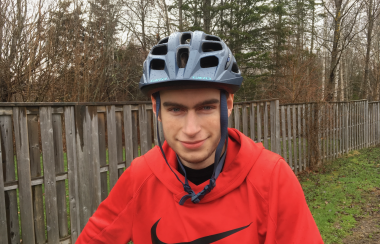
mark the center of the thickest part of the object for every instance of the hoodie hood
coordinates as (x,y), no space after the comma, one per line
(242,154)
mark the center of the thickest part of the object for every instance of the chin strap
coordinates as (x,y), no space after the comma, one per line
(218,162)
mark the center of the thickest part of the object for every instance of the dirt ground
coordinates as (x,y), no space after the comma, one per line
(368,228)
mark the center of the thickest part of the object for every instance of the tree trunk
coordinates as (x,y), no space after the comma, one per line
(371,21)
(335,52)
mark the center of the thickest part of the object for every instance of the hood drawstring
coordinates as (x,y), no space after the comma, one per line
(218,162)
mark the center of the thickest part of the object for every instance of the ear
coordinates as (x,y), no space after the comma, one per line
(154,107)
(230,103)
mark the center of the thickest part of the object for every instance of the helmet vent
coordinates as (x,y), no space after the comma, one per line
(185,38)
(235,68)
(211,47)
(182,57)
(157,64)
(210,61)
(160,50)
(165,40)
(213,38)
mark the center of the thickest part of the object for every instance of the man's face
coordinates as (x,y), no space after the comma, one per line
(191,123)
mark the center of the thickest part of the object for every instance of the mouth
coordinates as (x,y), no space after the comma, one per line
(192,144)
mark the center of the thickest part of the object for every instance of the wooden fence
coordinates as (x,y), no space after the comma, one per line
(60,160)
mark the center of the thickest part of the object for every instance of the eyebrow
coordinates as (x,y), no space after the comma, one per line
(206,102)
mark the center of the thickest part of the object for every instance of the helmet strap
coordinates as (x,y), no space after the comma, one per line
(219,159)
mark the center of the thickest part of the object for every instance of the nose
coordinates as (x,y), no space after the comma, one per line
(191,127)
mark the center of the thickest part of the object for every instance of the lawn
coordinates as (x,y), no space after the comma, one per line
(339,193)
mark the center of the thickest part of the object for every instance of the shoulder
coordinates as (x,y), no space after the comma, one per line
(267,167)
(139,171)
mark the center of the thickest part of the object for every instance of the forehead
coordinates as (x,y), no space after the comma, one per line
(189,95)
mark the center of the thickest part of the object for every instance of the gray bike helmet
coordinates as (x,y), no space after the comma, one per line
(193,60)
(190,60)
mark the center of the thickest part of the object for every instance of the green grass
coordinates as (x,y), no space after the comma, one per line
(337,193)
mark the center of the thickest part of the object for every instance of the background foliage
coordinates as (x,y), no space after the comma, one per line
(295,50)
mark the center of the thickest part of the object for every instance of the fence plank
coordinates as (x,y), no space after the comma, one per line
(258,122)
(252,120)
(299,124)
(245,120)
(304,136)
(149,113)
(277,123)
(290,148)
(92,117)
(237,117)
(296,169)
(102,155)
(60,168)
(283,123)
(3,213)
(9,170)
(134,134)
(128,134)
(84,201)
(49,174)
(35,171)
(23,170)
(119,140)
(112,147)
(143,124)
(72,169)
(266,126)
(230,119)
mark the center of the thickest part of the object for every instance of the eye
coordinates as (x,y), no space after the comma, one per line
(207,107)
(175,110)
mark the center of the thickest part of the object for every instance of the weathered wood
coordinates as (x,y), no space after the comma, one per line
(49,174)
(277,126)
(274,127)
(35,171)
(266,125)
(296,165)
(92,118)
(134,134)
(60,168)
(23,170)
(258,122)
(245,120)
(230,119)
(283,123)
(103,154)
(3,213)
(252,120)
(299,124)
(290,148)
(119,140)
(346,117)
(72,169)
(83,171)
(143,126)
(237,116)
(128,135)
(149,114)
(304,136)
(9,170)
(112,146)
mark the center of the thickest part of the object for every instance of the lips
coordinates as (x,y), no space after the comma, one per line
(192,144)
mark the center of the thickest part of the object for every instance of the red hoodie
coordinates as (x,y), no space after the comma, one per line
(257,199)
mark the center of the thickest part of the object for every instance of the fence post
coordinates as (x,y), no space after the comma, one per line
(275,127)
(366,121)
(72,170)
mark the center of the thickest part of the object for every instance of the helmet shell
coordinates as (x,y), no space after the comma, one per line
(210,63)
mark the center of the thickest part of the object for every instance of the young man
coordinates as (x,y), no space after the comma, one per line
(206,183)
